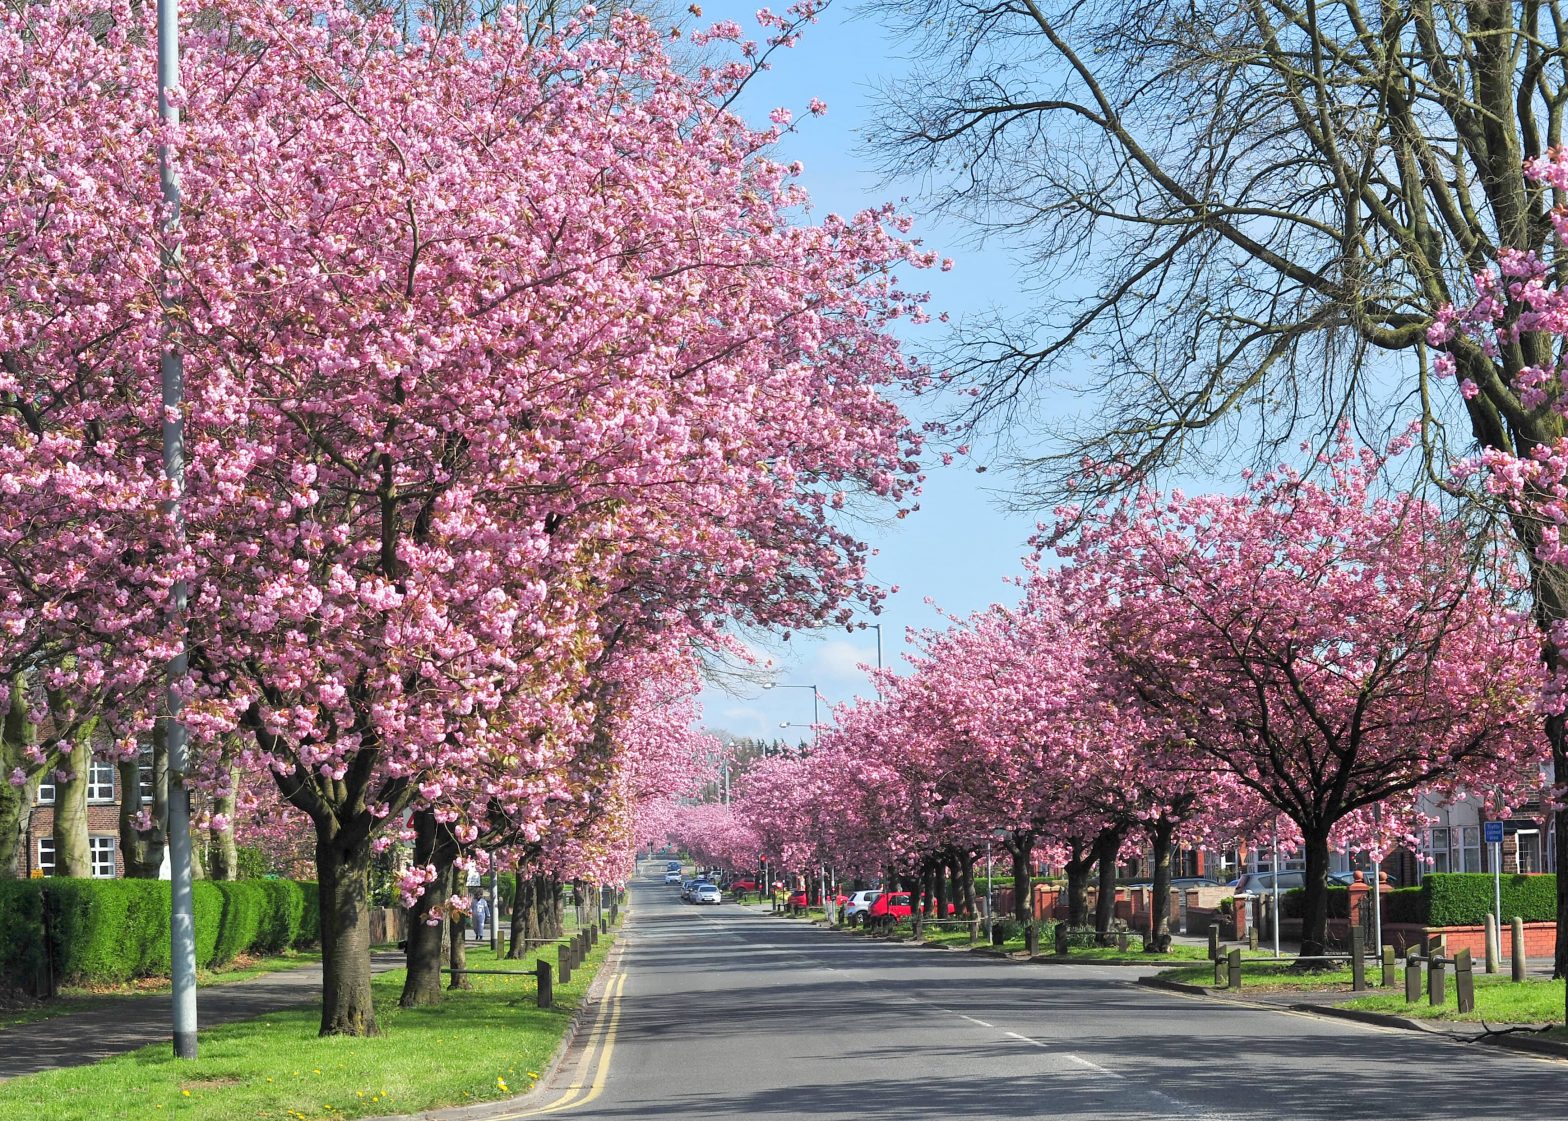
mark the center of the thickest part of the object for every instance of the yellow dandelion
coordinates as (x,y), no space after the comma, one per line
(185,1093)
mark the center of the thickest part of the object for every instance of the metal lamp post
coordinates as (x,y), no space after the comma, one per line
(182,918)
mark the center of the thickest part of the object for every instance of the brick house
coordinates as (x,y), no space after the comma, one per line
(103,821)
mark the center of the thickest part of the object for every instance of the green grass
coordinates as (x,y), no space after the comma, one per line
(484,1044)
(1270,976)
(1497,1001)
(82,999)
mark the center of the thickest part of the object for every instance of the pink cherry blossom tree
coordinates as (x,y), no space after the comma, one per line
(496,350)
(1327,648)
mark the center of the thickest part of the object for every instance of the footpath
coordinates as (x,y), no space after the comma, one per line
(84,1037)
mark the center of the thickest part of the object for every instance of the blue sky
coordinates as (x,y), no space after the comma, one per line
(960,547)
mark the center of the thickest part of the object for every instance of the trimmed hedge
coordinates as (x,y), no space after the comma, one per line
(1293,899)
(111,931)
(1465,898)
(1450,899)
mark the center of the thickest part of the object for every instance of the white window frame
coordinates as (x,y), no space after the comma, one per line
(1535,844)
(46,855)
(144,776)
(1469,849)
(1437,847)
(100,783)
(100,849)
(46,789)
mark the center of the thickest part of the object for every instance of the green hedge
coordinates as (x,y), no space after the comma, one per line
(1465,898)
(1291,900)
(111,931)
(1405,905)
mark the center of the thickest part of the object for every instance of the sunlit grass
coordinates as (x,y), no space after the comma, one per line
(477,1045)
(1497,1000)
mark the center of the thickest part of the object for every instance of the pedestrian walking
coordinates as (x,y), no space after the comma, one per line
(481,916)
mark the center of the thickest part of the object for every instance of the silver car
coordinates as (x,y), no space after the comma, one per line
(706,893)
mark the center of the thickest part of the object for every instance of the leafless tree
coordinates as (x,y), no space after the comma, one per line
(1238,219)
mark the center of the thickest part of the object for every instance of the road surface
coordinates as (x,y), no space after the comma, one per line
(717,1012)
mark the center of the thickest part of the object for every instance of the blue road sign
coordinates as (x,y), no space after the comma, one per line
(1492,832)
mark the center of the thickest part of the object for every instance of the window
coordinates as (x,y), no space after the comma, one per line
(1438,850)
(144,776)
(1469,849)
(100,782)
(102,851)
(1528,853)
(46,790)
(46,855)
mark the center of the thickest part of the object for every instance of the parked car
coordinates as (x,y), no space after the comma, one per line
(743,885)
(859,903)
(1180,882)
(706,893)
(673,866)
(673,876)
(1344,879)
(1262,883)
(689,886)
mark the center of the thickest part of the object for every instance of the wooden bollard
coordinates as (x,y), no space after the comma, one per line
(1032,938)
(1464,981)
(1233,972)
(1061,939)
(1412,977)
(546,986)
(1214,942)
(1121,941)
(565,955)
(1493,943)
(1436,980)
(604,926)
(1358,960)
(1388,967)
(1516,961)
(1252,937)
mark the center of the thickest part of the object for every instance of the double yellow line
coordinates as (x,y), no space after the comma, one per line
(593,1067)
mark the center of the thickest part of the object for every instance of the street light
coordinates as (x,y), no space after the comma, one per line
(816,711)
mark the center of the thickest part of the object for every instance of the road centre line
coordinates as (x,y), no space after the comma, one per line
(601,1040)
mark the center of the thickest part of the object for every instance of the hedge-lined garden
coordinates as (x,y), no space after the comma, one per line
(1450,899)
(111,931)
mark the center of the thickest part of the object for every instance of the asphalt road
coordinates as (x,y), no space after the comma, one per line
(723,1013)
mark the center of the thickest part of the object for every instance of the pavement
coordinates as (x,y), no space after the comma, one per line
(132,1022)
(727,1012)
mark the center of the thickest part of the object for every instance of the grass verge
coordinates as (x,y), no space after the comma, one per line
(1269,977)
(106,996)
(1498,1000)
(479,1045)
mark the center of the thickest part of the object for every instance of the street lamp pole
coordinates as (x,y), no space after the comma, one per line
(182,918)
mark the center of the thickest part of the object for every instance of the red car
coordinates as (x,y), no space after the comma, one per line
(798,899)
(891,906)
(743,885)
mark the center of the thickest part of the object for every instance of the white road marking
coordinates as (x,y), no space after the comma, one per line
(1026,1039)
(972,1020)
(1083,1062)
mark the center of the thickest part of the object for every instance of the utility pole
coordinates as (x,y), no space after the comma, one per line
(182,918)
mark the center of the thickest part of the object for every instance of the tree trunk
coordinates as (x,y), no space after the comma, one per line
(525,920)
(343,876)
(72,856)
(967,874)
(222,853)
(141,851)
(1078,866)
(939,892)
(18,732)
(1021,847)
(1314,900)
(433,845)
(1160,902)
(457,948)
(1106,847)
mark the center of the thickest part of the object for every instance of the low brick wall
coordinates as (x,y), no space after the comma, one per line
(1540,939)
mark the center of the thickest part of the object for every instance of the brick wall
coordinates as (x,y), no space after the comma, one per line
(103,819)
